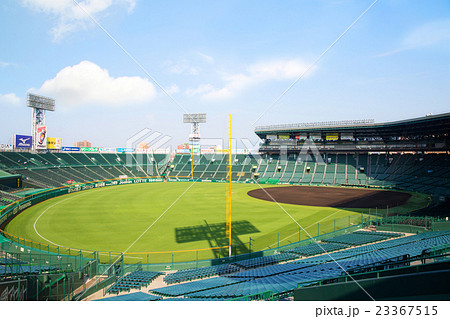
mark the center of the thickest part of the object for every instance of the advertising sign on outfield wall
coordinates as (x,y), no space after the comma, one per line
(70,149)
(24,141)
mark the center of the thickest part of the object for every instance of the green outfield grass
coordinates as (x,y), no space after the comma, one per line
(115,219)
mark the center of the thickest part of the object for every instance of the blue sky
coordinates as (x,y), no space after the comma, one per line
(230,57)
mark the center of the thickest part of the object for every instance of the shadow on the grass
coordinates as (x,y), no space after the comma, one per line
(215,234)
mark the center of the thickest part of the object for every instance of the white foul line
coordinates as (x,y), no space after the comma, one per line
(35,222)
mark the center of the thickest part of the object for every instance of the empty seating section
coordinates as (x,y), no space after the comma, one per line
(359,238)
(266,271)
(38,178)
(379,233)
(298,172)
(7,198)
(276,284)
(193,286)
(265,260)
(409,220)
(44,170)
(314,248)
(9,260)
(197,273)
(319,173)
(133,280)
(330,172)
(283,278)
(426,173)
(288,172)
(180,166)
(308,173)
(135,296)
(16,160)
(19,270)
(351,170)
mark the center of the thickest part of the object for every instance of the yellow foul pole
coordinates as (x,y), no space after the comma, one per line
(192,160)
(229,172)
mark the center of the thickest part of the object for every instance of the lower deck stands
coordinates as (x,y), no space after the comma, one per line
(282,278)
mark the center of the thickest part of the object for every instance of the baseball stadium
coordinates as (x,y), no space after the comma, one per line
(321,176)
(318,211)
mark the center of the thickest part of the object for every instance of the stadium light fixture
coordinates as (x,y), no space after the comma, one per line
(194,138)
(39,104)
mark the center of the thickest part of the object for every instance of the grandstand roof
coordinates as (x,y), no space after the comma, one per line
(439,122)
(427,133)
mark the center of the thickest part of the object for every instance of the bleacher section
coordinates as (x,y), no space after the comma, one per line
(314,249)
(198,273)
(135,296)
(280,279)
(426,173)
(44,170)
(7,198)
(361,238)
(21,270)
(133,280)
(265,260)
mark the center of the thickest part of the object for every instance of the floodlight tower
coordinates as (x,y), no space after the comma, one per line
(39,105)
(194,138)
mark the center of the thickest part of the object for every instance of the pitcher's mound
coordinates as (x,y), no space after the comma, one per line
(331,196)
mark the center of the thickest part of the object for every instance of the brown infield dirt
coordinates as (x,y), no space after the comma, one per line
(331,196)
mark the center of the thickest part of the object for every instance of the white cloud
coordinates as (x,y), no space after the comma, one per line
(87,84)
(206,57)
(426,35)
(9,100)
(203,88)
(172,89)
(273,70)
(70,16)
(6,64)
(182,67)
